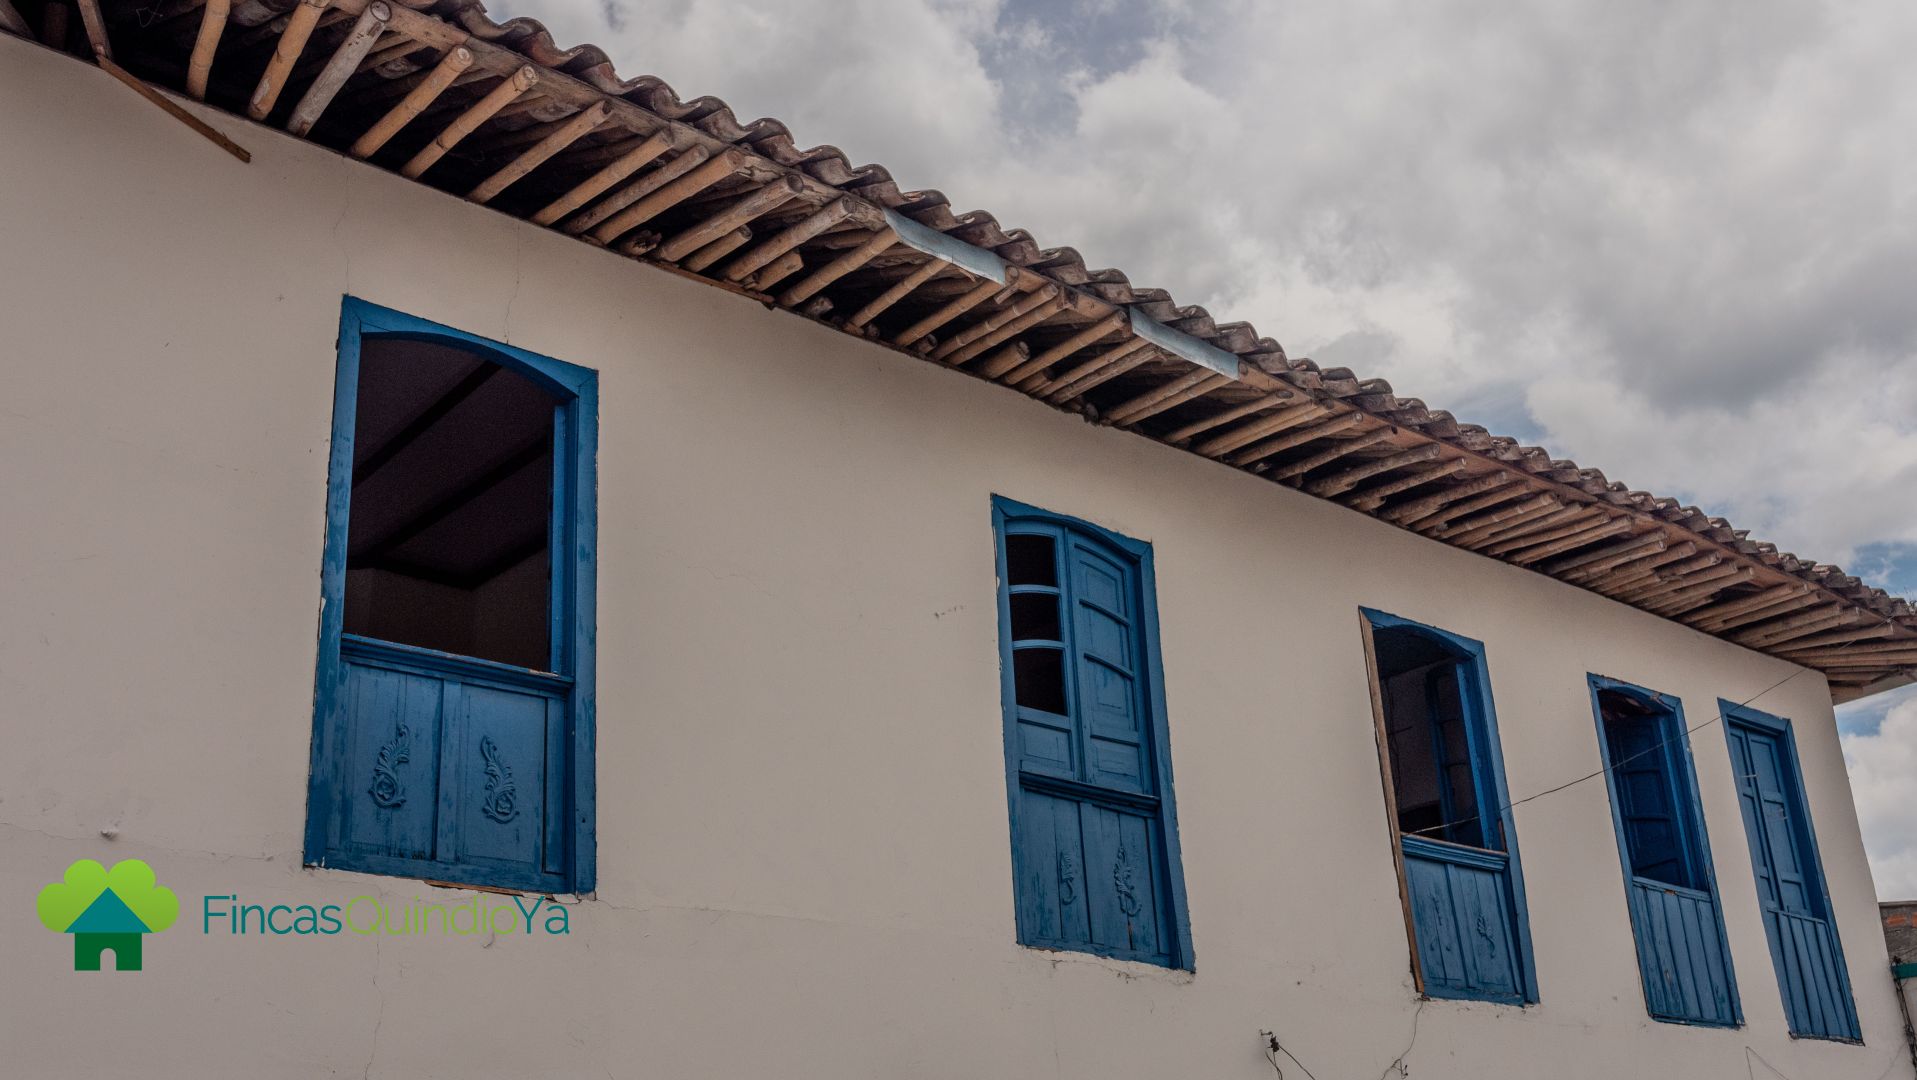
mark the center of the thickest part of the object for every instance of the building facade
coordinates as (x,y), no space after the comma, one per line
(876,722)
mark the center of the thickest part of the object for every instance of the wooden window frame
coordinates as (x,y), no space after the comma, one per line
(571,610)
(1487,758)
(1007,512)
(1680,778)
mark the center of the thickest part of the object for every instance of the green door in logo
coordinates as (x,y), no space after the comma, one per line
(107,911)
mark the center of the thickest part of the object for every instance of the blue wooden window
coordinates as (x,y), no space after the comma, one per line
(1790,877)
(453,717)
(1088,769)
(1683,955)
(1444,780)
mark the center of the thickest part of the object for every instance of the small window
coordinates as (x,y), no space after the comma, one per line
(1095,840)
(452,731)
(1444,783)
(1684,957)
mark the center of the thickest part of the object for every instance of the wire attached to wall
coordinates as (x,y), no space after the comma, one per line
(1652,749)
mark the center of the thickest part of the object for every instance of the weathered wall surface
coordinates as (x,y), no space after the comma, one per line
(804,863)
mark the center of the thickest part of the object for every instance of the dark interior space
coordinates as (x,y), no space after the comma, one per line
(1429,738)
(447,543)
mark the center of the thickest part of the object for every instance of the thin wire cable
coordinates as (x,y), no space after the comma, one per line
(1623,761)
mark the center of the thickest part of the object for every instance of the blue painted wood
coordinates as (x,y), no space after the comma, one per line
(1470,922)
(1677,922)
(1461,908)
(1094,832)
(492,780)
(1811,975)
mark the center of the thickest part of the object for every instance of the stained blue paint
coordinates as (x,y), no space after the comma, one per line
(429,764)
(1095,854)
(1683,953)
(1471,927)
(1809,958)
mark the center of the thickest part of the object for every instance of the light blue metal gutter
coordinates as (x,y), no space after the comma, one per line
(979,262)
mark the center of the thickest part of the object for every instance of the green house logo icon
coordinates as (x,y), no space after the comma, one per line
(107,911)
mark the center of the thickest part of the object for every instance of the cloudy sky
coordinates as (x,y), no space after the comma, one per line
(1677,242)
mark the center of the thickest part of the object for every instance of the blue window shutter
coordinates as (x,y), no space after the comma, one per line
(1684,959)
(1094,836)
(1805,950)
(1463,882)
(438,765)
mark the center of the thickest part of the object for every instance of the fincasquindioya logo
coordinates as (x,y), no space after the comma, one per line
(532,916)
(108,911)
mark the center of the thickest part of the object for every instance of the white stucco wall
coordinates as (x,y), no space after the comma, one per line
(803,859)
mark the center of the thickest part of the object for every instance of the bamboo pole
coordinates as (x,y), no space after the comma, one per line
(1124,410)
(1584,534)
(717,249)
(96,29)
(1566,522)
(1044,296)
(1648,542)
(1219,419)
(1373,497)
(345,61)
(1685,599)
(754,204)
(1033,367)
(788,238)
(482,110)
(591,187)
(1332,453)
(898,291)
(804,289)
(1661,589)
(1853,637)
(1282,420)
(1052,389)
(1005,360)
(1048,306)
(671,194)
(1531,507)
(638,189)
(1485,527)
(1632,569)
(1345,479)
(1746,609)
(1208,381)
(965,302)
(1098,371)
(763,279)
(1809,622)
(415,102)
(286,53)
(1260,451)
(1457,496)
(199,66)
(578,127)
(1521,527)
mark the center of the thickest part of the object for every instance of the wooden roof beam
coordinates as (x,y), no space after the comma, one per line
(638,189)
(670,194)
(1345,479)
(874,246)
(577,127)
(199,66)
(1097,371)
(286,53)
(627,163)
(467,122)
(1373,497)
(965,302)
(1283,420)
(788,238)
(345,61)
(408,108)
(1259,451)
(1332,453)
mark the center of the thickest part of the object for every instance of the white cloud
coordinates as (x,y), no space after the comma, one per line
(1881,767)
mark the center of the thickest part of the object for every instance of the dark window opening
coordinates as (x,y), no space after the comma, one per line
(1429,731)
(1641,740)
(447,535)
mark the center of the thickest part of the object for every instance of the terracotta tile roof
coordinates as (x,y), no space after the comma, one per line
(500,113)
